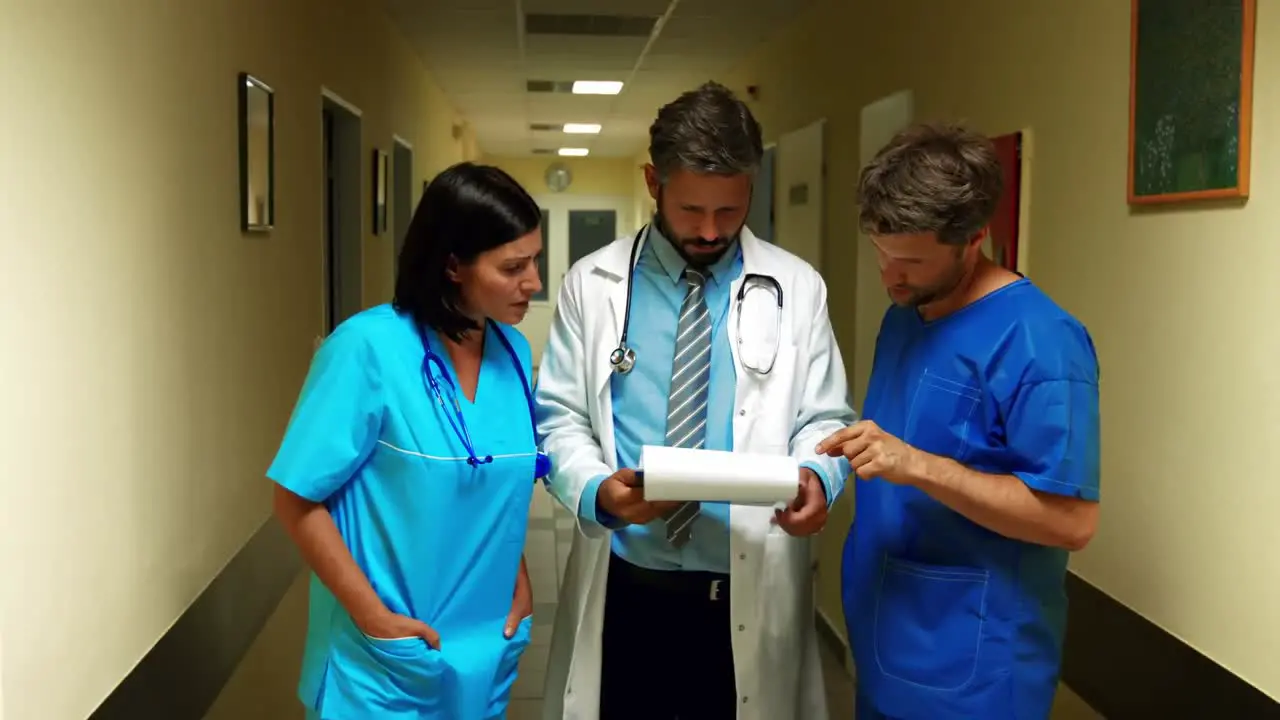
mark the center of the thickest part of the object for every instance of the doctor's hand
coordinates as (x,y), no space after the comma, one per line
(386,625)
(872,452)
(808,512)
(619,496)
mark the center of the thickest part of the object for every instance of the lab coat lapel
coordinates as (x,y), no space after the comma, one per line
(614,267)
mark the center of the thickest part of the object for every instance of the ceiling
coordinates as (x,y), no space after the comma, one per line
(485,53)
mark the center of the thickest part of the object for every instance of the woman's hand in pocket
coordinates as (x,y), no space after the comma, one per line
(387,625)
(521,603)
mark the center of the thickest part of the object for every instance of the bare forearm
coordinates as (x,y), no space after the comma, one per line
(1004,504)
(321,545)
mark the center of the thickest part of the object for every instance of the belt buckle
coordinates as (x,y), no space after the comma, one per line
(713,593)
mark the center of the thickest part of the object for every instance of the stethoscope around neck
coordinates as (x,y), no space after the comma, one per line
(542,462)
(623,357)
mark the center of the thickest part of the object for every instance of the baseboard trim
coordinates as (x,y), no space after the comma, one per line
(181,676)
(1126,666)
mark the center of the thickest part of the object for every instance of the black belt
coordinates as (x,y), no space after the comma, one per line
(694,584)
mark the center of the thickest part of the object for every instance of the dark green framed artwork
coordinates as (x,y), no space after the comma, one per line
(1190,99)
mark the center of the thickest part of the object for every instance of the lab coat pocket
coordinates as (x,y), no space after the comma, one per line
(379,677)
(941,410)
(929,623)
(508,666)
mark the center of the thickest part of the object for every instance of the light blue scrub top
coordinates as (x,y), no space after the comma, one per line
(949,620)
(439,540)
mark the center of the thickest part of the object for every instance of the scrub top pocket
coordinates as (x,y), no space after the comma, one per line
(939,419)
(929,623)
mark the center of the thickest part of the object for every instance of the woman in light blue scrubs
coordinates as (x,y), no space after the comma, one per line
(406,471)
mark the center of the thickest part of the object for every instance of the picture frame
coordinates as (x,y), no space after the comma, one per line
(255,101)
(381,181)
(1190,100)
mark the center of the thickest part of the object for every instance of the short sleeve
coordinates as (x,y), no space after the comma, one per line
(1052,431)
(336,421)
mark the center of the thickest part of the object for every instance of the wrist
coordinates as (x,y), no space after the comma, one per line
(920,469)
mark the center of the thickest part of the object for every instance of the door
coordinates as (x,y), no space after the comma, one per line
(1002,243)
(760,216)
(573,226)
(880,121)
(798,193)
(590,230)
(343,249)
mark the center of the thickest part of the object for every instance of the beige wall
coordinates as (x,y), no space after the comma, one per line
(1178,301)
(609,177)
(152,353)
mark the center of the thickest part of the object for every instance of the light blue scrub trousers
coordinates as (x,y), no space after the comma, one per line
(438,539)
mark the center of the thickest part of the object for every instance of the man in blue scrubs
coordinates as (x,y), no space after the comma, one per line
(978,447)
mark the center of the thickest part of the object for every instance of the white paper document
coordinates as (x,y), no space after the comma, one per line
(681,474)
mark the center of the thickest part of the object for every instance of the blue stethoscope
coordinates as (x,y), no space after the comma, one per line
(542,462)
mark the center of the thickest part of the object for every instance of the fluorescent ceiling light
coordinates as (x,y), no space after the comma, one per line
(581,128)
(596,87)
(573,152)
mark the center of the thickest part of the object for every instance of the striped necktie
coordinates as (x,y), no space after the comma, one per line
(687,404)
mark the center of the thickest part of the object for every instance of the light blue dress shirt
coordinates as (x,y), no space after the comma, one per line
(640,404)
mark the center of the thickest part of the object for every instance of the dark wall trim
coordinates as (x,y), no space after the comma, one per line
(1126,666)
(183,674)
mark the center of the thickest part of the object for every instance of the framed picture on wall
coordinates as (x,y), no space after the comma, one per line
(1190,99)
(381,180)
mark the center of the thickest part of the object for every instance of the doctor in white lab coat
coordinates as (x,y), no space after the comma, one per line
(749,652)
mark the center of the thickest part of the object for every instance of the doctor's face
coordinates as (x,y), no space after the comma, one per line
(701,214)
(918,270)
(499,283)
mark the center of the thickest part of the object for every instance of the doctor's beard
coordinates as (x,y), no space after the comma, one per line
(696,251)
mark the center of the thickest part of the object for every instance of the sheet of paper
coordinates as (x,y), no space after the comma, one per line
(681,474)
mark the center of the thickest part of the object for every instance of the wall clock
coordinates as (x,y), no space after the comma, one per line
(558,177)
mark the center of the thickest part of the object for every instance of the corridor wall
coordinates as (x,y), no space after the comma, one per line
(152,353)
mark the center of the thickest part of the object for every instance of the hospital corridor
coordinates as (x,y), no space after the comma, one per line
(244,241)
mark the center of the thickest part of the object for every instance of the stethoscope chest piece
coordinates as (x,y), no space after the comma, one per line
(622,359)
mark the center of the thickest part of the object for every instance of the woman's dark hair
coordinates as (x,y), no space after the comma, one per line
(466,210)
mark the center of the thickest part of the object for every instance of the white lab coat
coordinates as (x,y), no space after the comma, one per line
(803,399)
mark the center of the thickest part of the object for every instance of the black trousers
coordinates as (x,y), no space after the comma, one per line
(667,645)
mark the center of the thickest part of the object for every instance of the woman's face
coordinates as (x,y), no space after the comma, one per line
(499,283)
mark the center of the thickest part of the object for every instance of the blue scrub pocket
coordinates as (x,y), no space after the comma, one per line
(939,417)
(929,623)
(382,678)
(506,674)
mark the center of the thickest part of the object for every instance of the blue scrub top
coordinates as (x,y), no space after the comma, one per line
(946,618)
(438,539)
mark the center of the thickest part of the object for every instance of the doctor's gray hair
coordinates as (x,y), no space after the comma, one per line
(706,131)
(943,179)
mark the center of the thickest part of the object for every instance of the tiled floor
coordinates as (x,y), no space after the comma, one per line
(263,686)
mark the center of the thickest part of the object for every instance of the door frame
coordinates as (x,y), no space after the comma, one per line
(329,96)
(555,249)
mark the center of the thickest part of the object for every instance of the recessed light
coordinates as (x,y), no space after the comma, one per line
(581,128)
(573,152)
(596,87)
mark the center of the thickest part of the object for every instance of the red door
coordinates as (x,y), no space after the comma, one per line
(1004,225)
